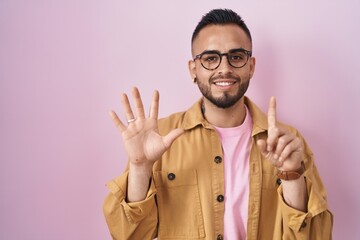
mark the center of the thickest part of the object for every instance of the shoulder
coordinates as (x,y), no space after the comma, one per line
(172,121)
(185,120)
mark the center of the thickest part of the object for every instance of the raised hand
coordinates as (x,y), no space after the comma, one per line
(141,137)
(282,148)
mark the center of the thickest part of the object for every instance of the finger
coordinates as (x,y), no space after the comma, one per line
(268,155)
(273,136)
(171,136)
(262,146)
(126,107)
(273,132)
(117,121)
(282,142)
(272,113)
(138,103)
(292,147)
(154,108)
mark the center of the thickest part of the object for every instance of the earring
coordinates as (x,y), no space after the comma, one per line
(194,80)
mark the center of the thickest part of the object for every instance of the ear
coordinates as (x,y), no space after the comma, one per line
(192,69)
(252,62)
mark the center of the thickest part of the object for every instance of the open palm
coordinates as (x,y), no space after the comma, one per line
(141,137)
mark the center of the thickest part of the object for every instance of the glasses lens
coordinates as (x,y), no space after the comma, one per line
(210,61)
(238,59)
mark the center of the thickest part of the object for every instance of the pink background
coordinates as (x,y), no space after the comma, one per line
(64,63)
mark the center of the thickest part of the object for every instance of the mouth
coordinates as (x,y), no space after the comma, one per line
(224,83)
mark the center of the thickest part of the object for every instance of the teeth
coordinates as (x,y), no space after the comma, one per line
(223,83)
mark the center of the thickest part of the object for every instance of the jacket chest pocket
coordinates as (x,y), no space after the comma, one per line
(178,199)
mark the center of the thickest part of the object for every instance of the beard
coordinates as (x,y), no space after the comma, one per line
(226,100)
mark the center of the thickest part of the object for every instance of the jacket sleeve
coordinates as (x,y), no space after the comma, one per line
(137,220)
(317,222)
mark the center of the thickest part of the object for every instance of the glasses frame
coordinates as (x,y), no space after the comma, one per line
(247,52)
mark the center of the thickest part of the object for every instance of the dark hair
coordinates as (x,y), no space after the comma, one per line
(221,17)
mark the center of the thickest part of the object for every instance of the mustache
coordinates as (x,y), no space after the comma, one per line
(225,76)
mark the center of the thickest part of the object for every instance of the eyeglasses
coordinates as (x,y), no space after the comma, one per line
(211,60)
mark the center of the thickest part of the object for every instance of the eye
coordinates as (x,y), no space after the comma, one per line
(237,57)
(210,58)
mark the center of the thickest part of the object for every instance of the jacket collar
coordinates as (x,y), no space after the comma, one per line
(194,117)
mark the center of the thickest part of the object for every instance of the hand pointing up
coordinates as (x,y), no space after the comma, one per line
(282,148)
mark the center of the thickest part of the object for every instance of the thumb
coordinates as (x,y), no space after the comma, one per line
(171,136)
(269,155)
(262,146)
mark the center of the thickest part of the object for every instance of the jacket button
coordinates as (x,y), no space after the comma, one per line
(219,237)
(218,159)
(220,198)
(171,176)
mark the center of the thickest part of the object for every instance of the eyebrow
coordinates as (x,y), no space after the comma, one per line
(230,51)
(238,50)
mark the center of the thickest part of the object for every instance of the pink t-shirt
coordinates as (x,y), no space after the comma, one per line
(236,144)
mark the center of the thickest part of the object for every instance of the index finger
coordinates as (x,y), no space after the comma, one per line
(272,113)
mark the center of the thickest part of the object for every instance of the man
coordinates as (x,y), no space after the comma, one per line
(222,169)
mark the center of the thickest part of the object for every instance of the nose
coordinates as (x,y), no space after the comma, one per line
(225,66)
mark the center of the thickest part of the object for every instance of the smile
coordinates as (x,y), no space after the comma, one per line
(224,83)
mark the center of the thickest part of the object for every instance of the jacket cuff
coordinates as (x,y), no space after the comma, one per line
(134,211)
(297,220)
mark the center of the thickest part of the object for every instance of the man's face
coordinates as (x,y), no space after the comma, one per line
(225,85)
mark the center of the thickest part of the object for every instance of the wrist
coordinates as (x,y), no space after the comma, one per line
(293,174)
(141,169)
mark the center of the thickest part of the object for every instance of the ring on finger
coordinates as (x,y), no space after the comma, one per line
(131,120)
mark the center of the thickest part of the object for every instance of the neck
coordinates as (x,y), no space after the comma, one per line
(229,117)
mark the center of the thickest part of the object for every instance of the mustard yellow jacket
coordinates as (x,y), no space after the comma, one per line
(183,198)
